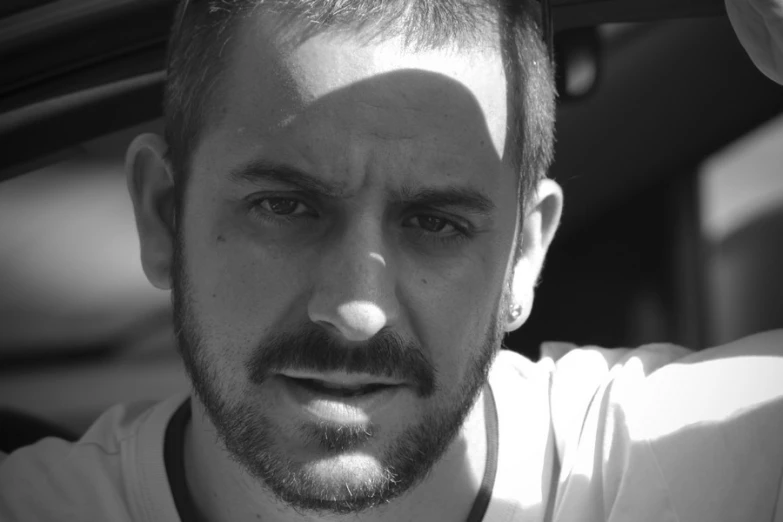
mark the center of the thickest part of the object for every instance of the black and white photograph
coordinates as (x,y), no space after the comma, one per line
(391,260)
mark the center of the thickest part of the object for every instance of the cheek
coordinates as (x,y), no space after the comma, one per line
(239,290)
(451,313)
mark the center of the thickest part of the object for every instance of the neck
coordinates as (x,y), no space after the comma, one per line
(223,491)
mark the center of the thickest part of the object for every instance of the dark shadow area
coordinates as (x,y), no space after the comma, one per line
(626,268)
(613,284)
(746,279)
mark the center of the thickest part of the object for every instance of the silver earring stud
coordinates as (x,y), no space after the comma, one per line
(515,312)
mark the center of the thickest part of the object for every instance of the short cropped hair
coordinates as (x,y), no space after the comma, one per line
(201,39)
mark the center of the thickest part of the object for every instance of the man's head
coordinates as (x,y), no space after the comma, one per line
(336,211)
(204,35)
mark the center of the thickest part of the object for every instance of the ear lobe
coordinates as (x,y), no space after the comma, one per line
(538,230)
(151,187)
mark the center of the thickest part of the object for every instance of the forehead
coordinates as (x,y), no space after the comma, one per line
(336,83)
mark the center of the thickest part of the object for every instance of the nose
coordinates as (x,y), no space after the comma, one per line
(354,287)
(356,320)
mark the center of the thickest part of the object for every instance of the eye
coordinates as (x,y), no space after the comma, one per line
(433,224)
(283,206)
(437,231)
(433,230)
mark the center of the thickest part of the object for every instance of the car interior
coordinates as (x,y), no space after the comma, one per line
(669,149)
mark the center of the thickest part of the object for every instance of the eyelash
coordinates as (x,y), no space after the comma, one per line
(255,207)
(461,233)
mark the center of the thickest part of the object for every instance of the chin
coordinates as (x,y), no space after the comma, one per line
(353,470)
(335,485)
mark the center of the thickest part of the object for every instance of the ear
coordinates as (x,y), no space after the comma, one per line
(151,187)
(542,217)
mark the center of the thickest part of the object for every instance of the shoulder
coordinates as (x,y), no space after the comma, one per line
(719,385)
(713,423)
(582,378)
(692,434)
(86,480)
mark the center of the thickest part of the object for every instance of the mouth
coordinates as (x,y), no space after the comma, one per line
(336,389)
(341,398)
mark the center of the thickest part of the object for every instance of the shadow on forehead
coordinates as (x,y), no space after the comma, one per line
(406,104)
(208,36)
(457,26)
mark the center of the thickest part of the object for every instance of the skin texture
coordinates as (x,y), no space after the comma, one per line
(399,243)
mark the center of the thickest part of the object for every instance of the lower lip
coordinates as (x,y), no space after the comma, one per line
(343,410)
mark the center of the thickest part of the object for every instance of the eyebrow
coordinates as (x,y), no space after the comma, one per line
(259,171)
(466,199)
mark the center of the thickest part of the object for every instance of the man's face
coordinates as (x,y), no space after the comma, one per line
(342,253)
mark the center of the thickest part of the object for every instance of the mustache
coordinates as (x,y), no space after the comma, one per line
(311,348)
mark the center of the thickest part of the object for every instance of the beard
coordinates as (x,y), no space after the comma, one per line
(255,442)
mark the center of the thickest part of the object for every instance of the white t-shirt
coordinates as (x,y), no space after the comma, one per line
(652,434)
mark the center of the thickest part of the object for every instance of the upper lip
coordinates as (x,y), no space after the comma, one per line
(342,379)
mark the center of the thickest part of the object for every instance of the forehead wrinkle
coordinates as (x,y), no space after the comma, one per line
(260,171)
